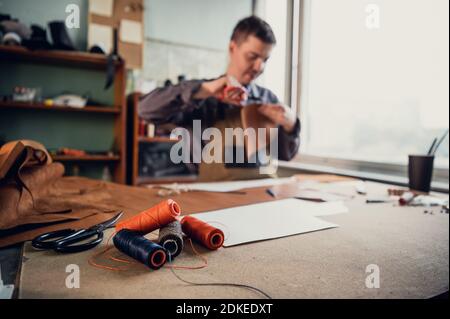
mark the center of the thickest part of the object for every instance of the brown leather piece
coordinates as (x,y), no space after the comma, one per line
(48,200)
(31,196)
(252,118)
(20,154)
(16,203)
(52,202)
(247,117)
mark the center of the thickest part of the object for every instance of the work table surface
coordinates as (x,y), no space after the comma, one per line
(410,249)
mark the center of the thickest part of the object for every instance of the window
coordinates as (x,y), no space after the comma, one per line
(276,73)
(374,79)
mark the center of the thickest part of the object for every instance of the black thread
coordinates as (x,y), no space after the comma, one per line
(140,248)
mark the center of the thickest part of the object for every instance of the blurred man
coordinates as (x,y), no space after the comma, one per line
(218,102)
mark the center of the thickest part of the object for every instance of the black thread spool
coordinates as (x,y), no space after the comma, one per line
(140,248)
(171,238)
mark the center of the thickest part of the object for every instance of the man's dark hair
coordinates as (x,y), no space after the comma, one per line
(253,26)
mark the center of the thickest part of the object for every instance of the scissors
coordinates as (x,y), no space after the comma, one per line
(63,240)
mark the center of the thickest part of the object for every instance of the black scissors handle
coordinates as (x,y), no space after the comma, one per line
(49,241)
(66,238)
(65,245)
(64,241)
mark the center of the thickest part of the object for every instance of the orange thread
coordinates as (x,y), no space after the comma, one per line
(92,261)
(153,218)
(110,256)
(207,235)
(191,267)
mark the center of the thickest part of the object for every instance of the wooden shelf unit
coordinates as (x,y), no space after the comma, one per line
(59,108)
(157,139)
(86,158)
(80,60)
(74,59)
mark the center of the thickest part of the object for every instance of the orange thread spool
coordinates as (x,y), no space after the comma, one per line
(211,237)
(153,218)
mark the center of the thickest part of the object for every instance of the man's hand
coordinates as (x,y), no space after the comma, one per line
(222,90)
(280,114)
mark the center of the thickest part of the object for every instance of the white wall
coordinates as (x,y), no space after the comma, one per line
(189,37)
(204,23)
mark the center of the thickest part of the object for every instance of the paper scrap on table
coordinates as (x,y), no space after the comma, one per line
(300,190)
(233,185)
(270,220)
(342,188)
(130,31)
(99,34)
(101,7)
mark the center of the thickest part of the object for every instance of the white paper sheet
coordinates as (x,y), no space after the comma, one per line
(100,35)
(232,186)
(130,31)
(270,220)
(101,7)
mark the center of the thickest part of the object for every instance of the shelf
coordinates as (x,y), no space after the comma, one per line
(58,108)
(142,180)
(158,139)
(86,158)
(115,114)
(67,58)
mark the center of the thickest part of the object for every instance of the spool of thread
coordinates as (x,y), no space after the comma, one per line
(140,248)
(205,234)
(153,218)
(171,238)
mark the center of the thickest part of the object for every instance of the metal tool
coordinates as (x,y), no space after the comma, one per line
(73,241)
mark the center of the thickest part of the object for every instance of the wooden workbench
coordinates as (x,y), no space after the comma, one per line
(410,248)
